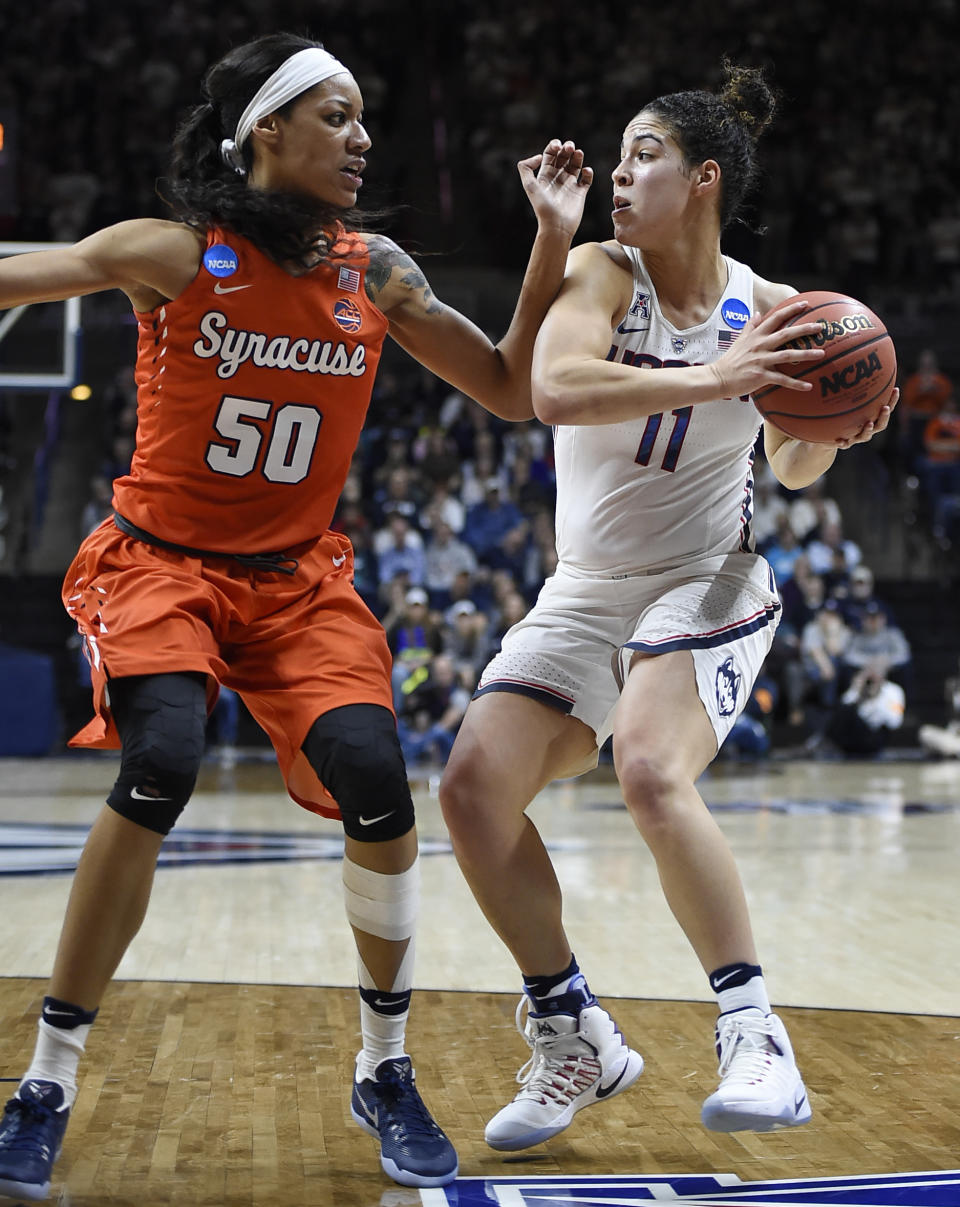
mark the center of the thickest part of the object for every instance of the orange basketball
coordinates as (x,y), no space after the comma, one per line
(851,383)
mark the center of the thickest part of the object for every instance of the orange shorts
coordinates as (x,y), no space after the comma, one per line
(292,646)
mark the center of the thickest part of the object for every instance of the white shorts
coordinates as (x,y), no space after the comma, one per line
(573,649)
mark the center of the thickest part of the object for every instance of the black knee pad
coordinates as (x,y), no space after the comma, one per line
(356,754)
(162,722)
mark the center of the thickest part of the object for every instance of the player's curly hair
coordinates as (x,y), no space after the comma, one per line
(292,228)
(724,126)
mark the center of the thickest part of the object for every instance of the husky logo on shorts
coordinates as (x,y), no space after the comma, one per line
(728,687)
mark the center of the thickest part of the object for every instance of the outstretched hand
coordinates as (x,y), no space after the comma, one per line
(556,181)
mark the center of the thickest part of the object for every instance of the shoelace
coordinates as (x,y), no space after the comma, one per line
(559,1078)
(26,1112)
(749,1042)
(407,1109)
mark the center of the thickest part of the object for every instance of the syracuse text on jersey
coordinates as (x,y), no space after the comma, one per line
(234,346)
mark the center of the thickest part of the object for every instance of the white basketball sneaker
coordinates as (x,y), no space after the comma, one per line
(576,1061)
(760,1085)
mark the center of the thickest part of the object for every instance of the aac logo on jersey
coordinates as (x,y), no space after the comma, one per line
(347,315)
(220,260)
(735,314)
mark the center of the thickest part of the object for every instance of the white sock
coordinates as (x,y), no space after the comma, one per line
(383,1039)
(742,997)
(57,1057)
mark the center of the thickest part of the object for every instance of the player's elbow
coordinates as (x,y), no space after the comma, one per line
(553,400)
(545,405)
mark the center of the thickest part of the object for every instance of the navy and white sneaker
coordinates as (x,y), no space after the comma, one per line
(413,1149)
(760,1085)
(31,1136)
(577,1060)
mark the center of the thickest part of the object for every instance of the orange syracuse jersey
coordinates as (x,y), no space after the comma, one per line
(252,388)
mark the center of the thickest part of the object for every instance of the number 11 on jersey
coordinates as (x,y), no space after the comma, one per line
(674,444)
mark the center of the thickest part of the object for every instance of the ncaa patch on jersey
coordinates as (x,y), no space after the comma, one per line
(220,260)
(735,314)
(347,316)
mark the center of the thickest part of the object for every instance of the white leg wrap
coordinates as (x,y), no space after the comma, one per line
(381,905)
(401,982)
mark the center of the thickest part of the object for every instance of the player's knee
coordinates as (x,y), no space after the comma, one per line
(649,787)
(162,725)
(460,795)
(357,757)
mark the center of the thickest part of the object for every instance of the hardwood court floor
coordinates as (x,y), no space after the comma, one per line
(236,1095)
(219,1069)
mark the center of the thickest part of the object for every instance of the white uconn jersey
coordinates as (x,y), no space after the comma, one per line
(665,489)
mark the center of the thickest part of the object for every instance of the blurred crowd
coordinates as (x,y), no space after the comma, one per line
(855,85)
(456,94)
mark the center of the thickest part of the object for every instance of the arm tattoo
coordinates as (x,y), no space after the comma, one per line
(385,256)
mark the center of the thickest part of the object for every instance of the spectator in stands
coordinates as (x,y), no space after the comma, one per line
(812,509)
(435,455)
(924,392)
(832,552)
(413,636)
(466,635)
(801,596)
(815,678)
(489,522)
(445,556)
(396,456)
(484,466)
(869,712)
(445,505)
(510,610)
(399,550)
(432,710)
(940,467)
(859,591)
(531,493)
(784,550)
(879,645)
(473,587)
(400,492)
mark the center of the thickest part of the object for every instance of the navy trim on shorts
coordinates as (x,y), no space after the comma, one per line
(707,641)
(544,695)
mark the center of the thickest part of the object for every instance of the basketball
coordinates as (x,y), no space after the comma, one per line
(851,383)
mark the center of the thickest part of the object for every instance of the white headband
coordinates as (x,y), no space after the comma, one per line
(301,71)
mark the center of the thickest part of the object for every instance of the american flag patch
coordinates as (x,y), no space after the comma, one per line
(349,280)
(725,338)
